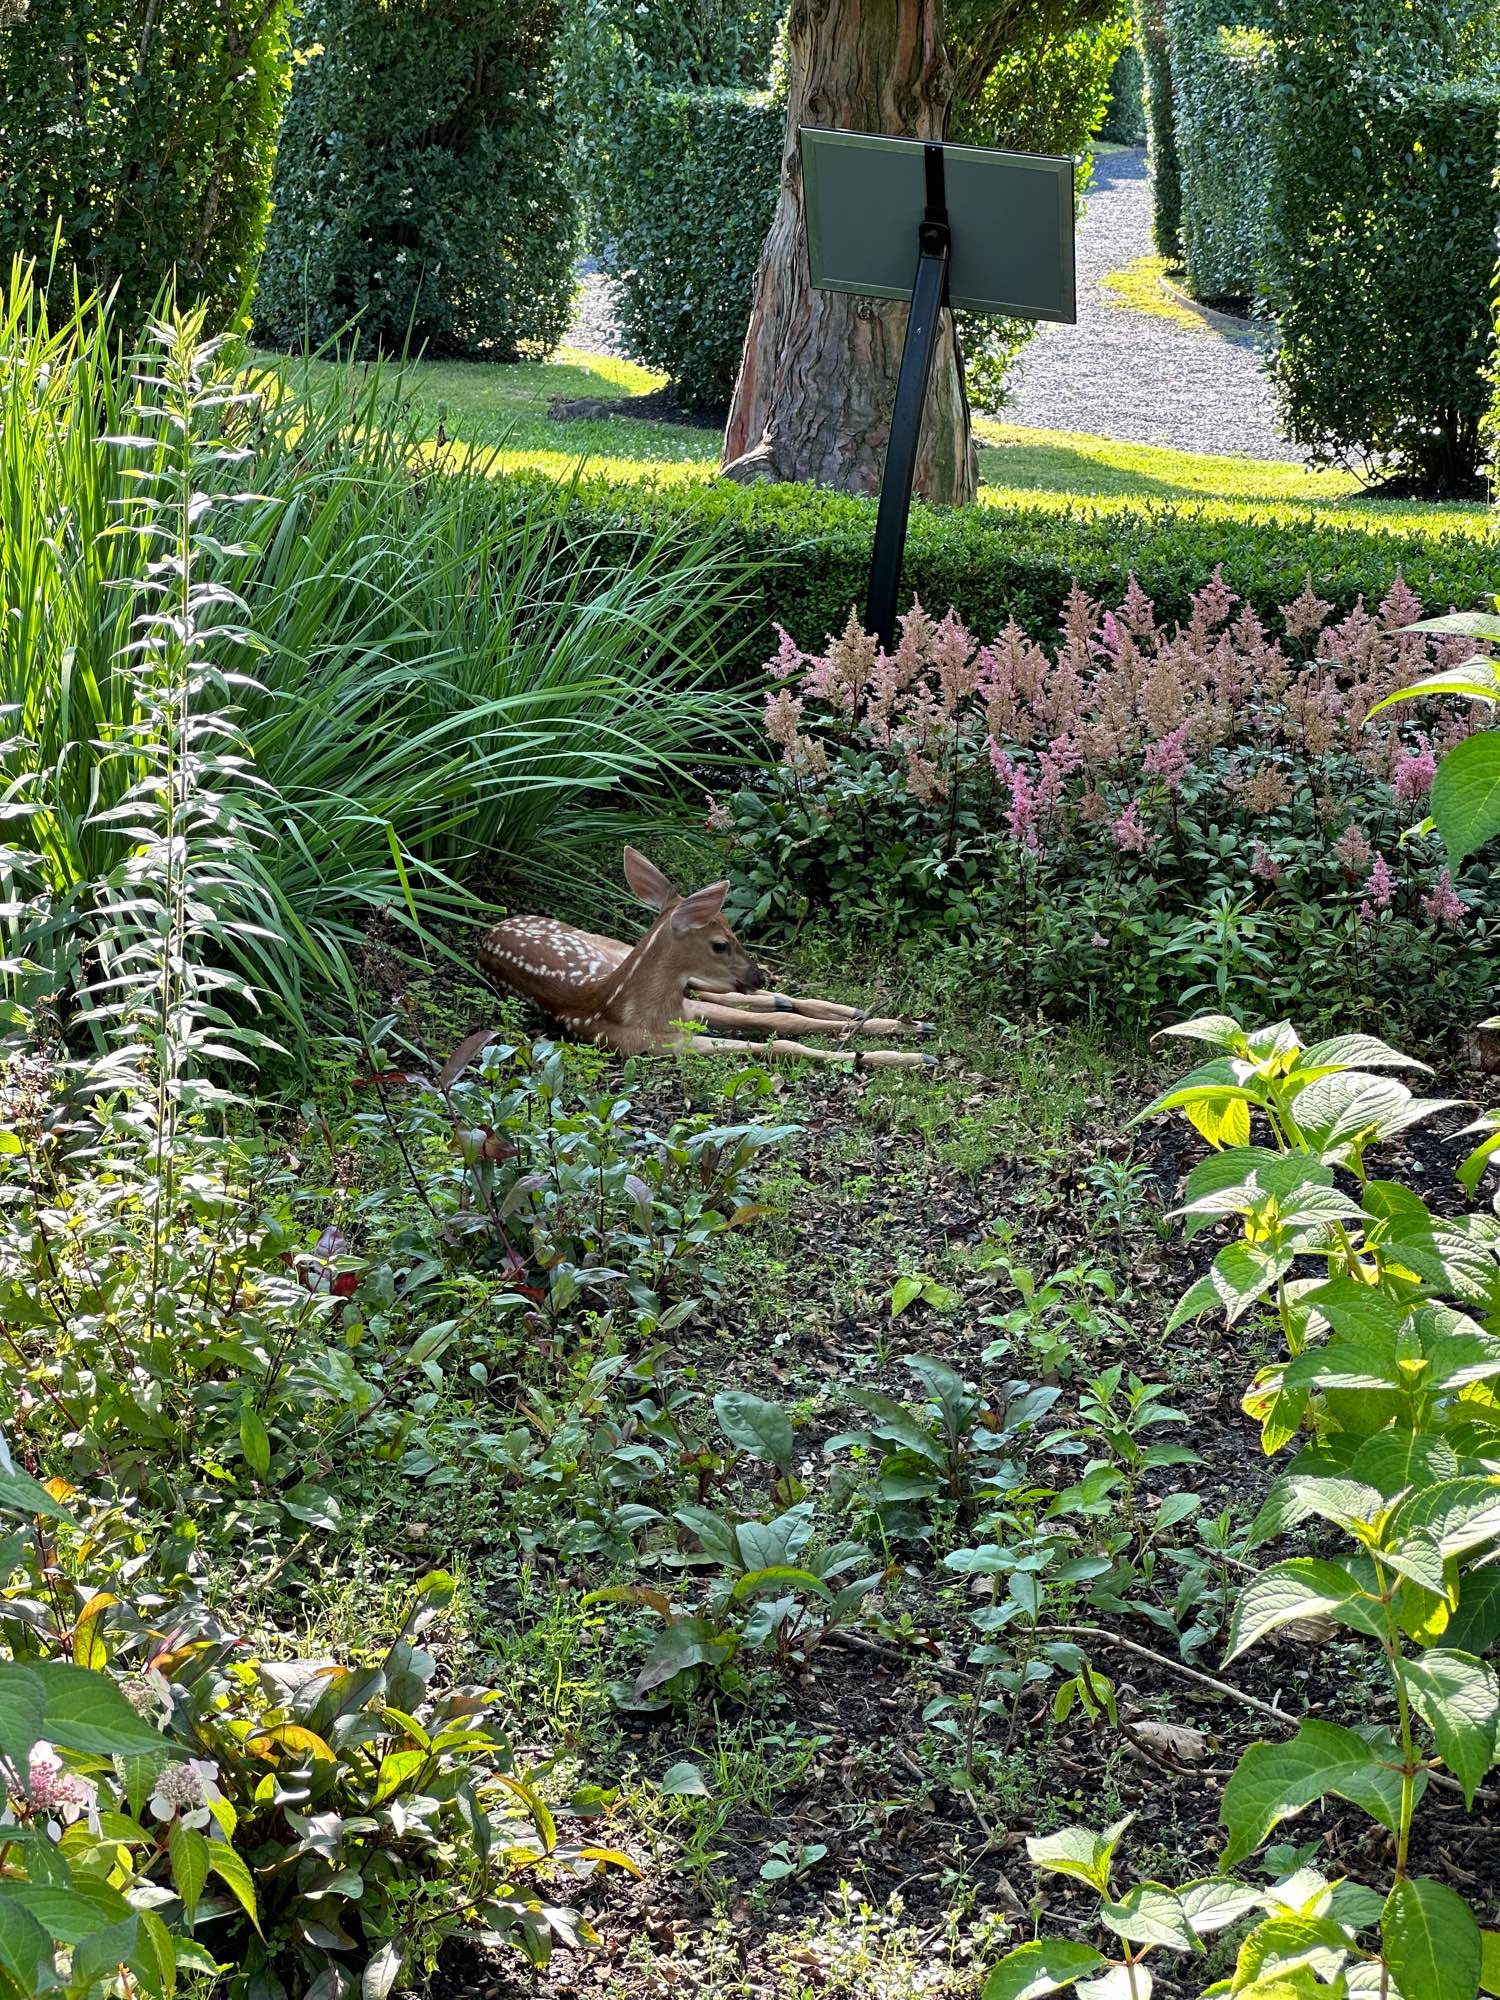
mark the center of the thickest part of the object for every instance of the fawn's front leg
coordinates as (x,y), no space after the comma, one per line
(737,1045)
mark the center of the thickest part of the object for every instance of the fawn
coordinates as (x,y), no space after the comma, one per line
(632,998)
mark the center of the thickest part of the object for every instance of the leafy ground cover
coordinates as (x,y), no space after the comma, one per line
(940,1339)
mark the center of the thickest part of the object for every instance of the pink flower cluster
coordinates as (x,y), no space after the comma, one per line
(1126,723)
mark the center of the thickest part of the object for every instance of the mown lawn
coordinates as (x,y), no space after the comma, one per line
(505,409)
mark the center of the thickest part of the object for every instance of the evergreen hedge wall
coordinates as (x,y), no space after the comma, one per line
(143,137)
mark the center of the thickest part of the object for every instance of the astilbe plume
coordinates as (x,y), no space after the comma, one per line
(1127,722)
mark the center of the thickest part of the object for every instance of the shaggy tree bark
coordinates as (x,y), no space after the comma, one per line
(818,374)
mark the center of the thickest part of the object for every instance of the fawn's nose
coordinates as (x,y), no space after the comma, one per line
(754,979)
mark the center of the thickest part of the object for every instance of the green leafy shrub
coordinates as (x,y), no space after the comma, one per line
(1387,1384)
(693,182)
(1161,129)
(321,1821)
(1379,248)
(145,141)
(808,557)
(420,189)
(557,1192)
(1221,60)
(1069,814)
(1125,116)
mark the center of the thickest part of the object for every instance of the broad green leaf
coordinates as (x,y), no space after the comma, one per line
(1458,1697)
(1216,1902)
(1466,798)
(1275,1781)
(378,1980)
(255,1441)
(1461,1515)
(24,1945)
(1220,1031)
(1489,1971)
(1119,1982)
(1475,1625)
(86,1711)
(1395,1460)
(67,1915)
(1357,1052)
(21,1494)
(1287,1943)
(23,1712)
(684,1781)
(1298,1497)
(236,1877)
(754,1426)
(1248,1167)
(1430,1942)
(905,1292)
(779,1576)
(1467,624)
(688,1642)
(1078,1851)
(189,1857)
(1151,1915)
(1240,1274)
(1222,1121)
(1302,1588)
(1338,1115)
(1033,1970)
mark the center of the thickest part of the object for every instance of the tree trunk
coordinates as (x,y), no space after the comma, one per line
(818,375)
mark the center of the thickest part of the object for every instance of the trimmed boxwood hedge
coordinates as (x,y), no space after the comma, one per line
(692,184)
(811,550)
(420,192)
(1221,84)
(1379,246)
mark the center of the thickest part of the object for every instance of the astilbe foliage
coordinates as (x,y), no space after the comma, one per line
(1082,799)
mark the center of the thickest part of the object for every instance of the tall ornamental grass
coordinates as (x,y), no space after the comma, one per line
(430,669)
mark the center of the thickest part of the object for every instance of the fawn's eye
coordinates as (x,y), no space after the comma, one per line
(721,945)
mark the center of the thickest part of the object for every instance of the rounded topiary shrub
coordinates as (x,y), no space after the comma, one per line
(695,174)
(420,191)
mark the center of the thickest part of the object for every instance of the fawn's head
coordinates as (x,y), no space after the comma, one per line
(703,947)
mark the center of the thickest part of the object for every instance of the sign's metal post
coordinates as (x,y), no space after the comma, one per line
(993,233)
(929,295)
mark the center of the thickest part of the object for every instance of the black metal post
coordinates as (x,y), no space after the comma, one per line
(929,294)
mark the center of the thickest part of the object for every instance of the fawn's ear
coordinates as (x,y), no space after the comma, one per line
(700,908)
(648,882)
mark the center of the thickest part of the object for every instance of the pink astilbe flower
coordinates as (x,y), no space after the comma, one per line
(1167,758)
(783,718)
(1443,905)
(1056,765)
(1128,832)
(1021,814)
(717,816)
(788,658)
(1367,912)
(1352,850)
(1380,889)
(1263,863)
(1413,773)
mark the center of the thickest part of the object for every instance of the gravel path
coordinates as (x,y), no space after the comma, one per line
(1118,373)
(1137,376)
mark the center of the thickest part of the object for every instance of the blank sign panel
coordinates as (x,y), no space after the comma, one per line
(1011,215)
